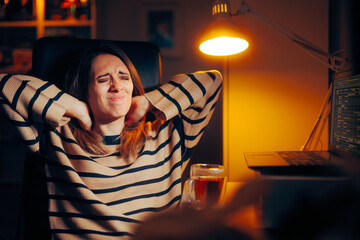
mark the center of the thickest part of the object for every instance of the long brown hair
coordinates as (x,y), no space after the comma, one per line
(76,84)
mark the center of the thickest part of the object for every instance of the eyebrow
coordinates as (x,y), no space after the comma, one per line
(103,75)
(106,74)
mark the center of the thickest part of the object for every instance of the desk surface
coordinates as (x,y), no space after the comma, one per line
(317,205)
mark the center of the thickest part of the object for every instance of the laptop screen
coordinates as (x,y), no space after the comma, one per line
(345,120)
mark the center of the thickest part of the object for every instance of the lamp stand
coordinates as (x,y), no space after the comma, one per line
(226,112)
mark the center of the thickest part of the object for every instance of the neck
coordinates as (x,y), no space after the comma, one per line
(107,128)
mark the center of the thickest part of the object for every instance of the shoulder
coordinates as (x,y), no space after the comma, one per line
(213,74)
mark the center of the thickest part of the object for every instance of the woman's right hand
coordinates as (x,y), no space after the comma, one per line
(80,111)
(140,105)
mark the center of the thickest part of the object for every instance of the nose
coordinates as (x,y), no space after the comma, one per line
(116,84)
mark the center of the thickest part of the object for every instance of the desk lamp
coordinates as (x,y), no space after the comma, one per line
(224,38)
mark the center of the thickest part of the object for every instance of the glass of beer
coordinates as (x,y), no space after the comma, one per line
(206,186)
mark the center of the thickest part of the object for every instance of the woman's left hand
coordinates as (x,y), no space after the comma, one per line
(139,107)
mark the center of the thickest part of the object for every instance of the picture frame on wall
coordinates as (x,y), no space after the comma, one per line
(160,23)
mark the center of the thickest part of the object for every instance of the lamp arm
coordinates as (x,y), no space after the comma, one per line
(332,62)
(326,103)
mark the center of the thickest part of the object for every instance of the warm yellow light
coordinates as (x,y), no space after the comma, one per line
(223,46)
(222,37)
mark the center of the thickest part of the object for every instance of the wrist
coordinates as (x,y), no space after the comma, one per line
(148,106)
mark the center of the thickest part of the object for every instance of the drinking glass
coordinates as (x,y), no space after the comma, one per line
(206,186)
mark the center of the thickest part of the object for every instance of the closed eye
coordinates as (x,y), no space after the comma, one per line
(124,76)
(103,79)
(106,77)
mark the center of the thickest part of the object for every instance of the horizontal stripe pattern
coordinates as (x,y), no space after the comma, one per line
(106,197)
(4,79)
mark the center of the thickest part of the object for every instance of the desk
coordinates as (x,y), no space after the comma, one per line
(246,219)
(309,207)
(250,216)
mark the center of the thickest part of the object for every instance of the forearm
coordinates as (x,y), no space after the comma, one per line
(35,100)
(184,91)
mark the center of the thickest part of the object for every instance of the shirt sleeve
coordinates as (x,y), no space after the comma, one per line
(28,101)
(192,97)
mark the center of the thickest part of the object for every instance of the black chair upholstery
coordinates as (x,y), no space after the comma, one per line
(52,56)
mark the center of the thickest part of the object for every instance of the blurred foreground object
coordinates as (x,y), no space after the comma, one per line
(207,224)
(332,211)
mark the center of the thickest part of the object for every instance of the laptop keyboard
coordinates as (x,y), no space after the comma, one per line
(304,158)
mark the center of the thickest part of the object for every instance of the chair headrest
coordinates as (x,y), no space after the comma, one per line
(52,57)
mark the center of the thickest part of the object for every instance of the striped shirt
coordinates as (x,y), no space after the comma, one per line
(106,197)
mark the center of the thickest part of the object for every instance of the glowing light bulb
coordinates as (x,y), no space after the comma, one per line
(224,46)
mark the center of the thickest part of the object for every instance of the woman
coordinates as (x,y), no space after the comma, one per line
(107,169)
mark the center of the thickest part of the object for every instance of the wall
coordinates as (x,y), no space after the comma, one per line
(275,90)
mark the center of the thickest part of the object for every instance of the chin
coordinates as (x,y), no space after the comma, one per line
(120,114)
(113,115)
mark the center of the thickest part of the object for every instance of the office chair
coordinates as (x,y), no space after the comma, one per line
(52,56)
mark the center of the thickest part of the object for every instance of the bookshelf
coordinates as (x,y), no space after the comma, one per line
(19,29)
(22,24)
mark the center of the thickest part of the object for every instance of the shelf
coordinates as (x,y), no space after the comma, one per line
(32,23)
(48,23)
(41,20)
(19,34)
(62,23)
(14,70)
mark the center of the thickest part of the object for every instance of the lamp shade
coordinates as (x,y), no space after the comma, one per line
(222,38)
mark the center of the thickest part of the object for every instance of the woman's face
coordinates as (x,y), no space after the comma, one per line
(110,88)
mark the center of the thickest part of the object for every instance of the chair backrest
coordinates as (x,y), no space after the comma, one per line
(52,56)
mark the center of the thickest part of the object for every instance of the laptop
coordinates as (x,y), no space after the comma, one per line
(344,139)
